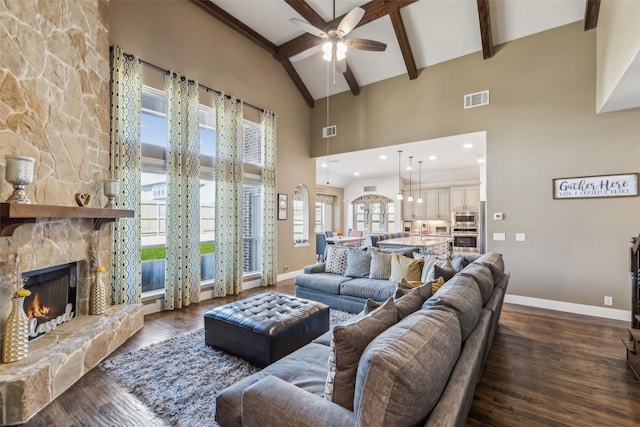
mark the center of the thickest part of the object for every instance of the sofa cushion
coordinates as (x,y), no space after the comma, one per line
(358,263)
(403,267)
(349,340)
(364,287)
(404,370)
(336,260)
(403,287)
(380,265)
(483,277)
(324,282)
(461,296)
(495,263)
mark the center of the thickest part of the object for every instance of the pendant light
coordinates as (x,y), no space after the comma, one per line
(399,180)
(410,198)
(420,183)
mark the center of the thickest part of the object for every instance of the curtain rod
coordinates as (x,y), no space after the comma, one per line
(207,88)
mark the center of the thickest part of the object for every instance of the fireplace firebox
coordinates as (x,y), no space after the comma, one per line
(53,298)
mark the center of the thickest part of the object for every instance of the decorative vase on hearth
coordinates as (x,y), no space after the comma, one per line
(98,297)
(15,344)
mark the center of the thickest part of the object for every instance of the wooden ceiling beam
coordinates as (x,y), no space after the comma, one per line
(231,22)
(351,81)
(403,41)
(485,28)
(591,12)
(307,12)
(295,77)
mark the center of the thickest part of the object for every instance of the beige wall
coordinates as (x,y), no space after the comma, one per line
(179,35)
(541,124)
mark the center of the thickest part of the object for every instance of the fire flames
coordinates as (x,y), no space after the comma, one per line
(38,310)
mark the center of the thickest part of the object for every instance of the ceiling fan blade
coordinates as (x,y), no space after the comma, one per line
(341,66)
(365,44)
(350,21)
(308,28)
(307,53)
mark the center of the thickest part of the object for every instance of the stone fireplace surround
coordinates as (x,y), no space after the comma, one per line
(59,358)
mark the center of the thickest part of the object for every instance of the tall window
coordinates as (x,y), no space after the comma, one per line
(373,213)
(154,192)
(301,216)
(324,212)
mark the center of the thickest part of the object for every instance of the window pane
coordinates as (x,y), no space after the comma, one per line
(298,221)
(252,150)
(252,228)
(319,217)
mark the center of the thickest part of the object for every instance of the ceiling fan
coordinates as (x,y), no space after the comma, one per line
(334,39)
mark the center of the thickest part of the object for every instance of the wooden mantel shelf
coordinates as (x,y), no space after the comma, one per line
(13,215)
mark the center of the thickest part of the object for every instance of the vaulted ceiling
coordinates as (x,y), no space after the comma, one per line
(418,33)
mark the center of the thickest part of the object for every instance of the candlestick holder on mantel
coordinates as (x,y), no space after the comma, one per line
(19,172)
(111,189)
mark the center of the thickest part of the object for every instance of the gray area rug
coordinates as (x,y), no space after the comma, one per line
(179,379)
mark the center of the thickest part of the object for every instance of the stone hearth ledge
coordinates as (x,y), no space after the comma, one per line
(61,357)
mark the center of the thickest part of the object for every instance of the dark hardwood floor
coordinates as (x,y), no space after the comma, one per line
(545,368)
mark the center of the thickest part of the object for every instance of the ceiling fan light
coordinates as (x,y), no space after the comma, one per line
(327,48)
(341,51)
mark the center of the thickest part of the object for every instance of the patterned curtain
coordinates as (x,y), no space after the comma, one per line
(270,208)
(325,198)
(182,267)
(126,106)
(228,210)
(372,198)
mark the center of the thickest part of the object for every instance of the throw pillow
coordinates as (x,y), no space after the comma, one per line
(404,287)
(437,284)
(428,273)
(405,303)
(405,268)
(349,341)
(445,271)
(459,262)
(358,263)
(380,265)
(336,260)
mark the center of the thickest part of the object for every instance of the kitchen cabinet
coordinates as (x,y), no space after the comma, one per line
(465,198)
(437,204)
(412,210)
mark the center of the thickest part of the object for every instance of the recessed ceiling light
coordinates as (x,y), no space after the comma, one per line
(324,165)
(432,157)
(356,173)
(480,160)
(383,157)
(468,145)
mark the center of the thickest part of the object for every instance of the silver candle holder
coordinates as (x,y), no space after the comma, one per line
(111,190)
(19,172)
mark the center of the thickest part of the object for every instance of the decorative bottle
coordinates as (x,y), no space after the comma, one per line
(15,344)
(98,297)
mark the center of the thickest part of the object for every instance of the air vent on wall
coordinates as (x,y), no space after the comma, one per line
(370,188)
(329,131)
(476,99)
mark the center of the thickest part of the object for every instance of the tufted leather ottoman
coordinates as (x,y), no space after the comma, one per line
(265,327)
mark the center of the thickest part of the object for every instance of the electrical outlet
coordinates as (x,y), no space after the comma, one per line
(286,268)
(520,237)
(608,300)
(498,236)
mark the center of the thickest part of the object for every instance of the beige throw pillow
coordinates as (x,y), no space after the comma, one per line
(406,268)
(349,341)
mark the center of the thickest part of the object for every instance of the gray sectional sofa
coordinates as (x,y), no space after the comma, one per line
(421,370)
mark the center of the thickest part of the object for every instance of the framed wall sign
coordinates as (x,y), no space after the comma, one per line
(282,206)
(584,187)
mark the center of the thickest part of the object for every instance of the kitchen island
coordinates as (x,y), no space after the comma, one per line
(426,243)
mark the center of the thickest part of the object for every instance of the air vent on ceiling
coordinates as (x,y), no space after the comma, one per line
(370,188)
(329,131)
(476,99)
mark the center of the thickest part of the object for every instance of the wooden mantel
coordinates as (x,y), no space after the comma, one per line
(13,215)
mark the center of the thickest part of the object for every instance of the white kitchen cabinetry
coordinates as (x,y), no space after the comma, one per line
(465,198)
(412,210)
(437,204)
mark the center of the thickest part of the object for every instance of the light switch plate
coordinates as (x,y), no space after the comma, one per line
(498,236)
(497,216)
(520,237)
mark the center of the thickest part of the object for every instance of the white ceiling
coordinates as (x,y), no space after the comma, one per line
(450,154)
(438,30)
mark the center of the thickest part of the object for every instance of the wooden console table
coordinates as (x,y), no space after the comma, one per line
(13,215)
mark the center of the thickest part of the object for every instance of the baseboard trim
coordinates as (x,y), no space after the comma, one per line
(289,275)
(570,307)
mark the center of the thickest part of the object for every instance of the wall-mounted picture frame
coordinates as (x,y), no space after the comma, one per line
(282,206)
(586,187)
